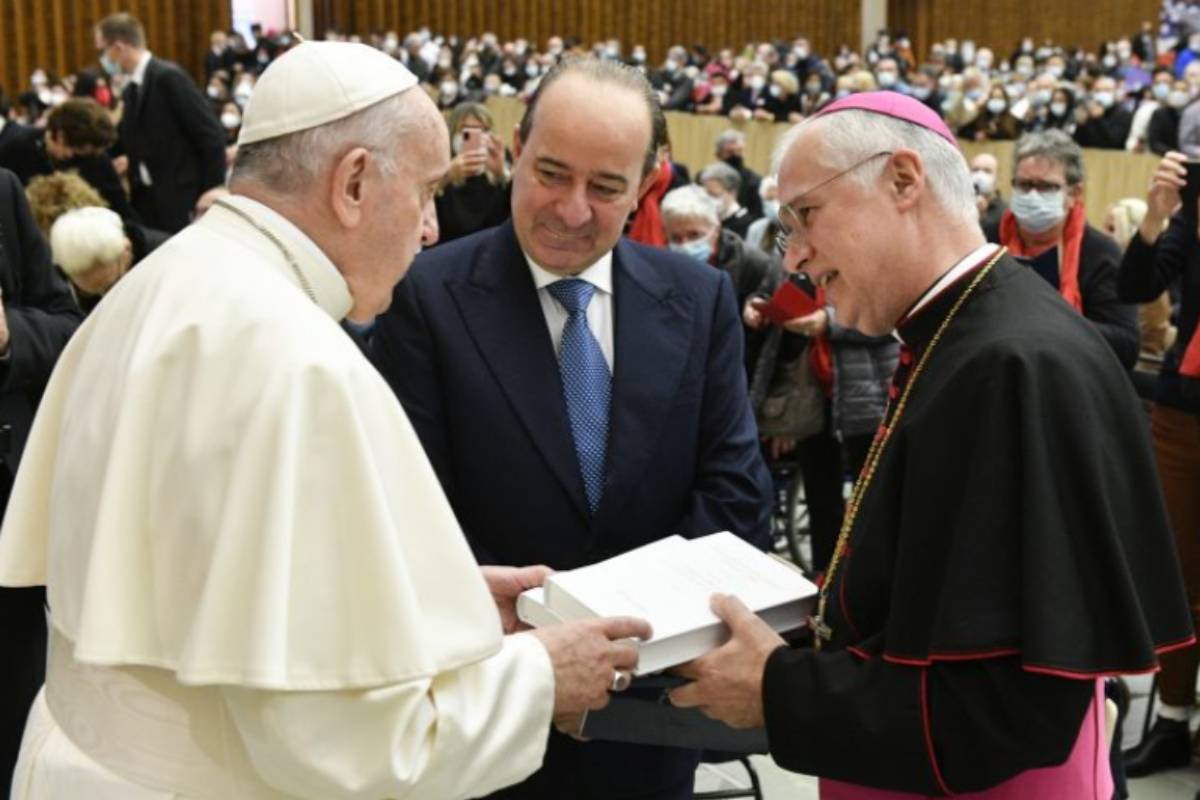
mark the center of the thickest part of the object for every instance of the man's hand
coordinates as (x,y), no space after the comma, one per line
(506,584)
(1163,198)
(727,683)
(752,313)
(586,655)
(813,324)
(779,446)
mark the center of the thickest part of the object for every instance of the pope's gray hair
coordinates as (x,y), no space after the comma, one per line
(852,135)
(289,163)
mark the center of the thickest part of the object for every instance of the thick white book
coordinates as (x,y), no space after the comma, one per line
(669,584)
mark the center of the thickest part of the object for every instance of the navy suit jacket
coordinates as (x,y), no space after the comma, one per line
(466,348)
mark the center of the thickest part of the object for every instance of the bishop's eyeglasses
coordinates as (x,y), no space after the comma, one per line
(794,218)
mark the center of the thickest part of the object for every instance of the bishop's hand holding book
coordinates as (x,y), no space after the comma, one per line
(676,584)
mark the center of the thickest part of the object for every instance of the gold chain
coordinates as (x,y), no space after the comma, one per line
(817,623)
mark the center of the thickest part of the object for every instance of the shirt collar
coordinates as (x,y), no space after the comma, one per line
(972,260)
(329,287)
(598,274)
(139,72)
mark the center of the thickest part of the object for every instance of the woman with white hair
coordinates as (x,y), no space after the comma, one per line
(693,227)
(90,246)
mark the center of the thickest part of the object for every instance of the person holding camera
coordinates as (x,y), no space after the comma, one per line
(475,191)
(1161,253)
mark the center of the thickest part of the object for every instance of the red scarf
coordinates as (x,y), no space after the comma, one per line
(1190,366)
(820,355)
(647,226)
(1069,246)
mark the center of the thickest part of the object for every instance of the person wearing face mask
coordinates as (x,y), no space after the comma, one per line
(1150,99)
(753,95)
(783,99)
(763,232)
(1107,122)
(723,183)
(924,87)
(995,123)
(672,83)
(693,227)
(887,75)
(815,95)
(1047,225)
(988,199)
(730,147)
(168,131)
(1162,135)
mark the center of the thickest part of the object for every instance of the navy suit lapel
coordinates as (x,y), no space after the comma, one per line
(502,314)
(653,337)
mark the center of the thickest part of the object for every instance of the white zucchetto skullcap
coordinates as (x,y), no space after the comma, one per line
(316,83)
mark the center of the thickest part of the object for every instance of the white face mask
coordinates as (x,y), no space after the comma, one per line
(1038,212)
(1103,99)
(1161,90)
(1025,70)
(757,82)
(771,209)
(1177,99)
(886,79)
(996,105)
(448,89)
(1041,97)
(1055,70)
(698,249)
(984,61)
(1058,109)
(230,120)
(985,182)
(775,91)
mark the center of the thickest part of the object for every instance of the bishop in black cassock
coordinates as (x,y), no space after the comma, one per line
(1006,545)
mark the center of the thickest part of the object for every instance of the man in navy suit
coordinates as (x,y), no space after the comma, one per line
(578,394)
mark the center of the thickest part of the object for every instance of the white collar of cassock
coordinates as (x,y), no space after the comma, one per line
(598,274)
(973,259)
(328,286)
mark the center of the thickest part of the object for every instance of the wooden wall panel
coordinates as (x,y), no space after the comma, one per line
(1001,24)
(657,25)
(56,35)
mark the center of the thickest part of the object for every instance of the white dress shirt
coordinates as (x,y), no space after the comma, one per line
(599,310)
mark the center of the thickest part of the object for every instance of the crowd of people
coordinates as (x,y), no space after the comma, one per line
(110,165)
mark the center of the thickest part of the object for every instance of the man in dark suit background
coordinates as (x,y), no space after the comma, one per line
(37,317)
(21,149)
(578,394)
(174,141)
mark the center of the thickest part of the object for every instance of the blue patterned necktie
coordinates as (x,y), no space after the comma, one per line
(587,385)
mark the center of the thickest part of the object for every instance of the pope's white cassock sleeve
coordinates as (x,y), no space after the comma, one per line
(459,735)
(220,487)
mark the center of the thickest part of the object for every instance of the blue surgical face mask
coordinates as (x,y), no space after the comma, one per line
(698,249)
(771,209)
(1038,212)
(110,66)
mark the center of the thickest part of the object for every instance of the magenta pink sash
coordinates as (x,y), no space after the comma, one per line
(1084,775)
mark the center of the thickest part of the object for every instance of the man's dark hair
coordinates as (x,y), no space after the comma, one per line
(603,71)
(122,27)
(83,124)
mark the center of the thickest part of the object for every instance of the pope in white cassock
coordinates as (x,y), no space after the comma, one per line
(256,586)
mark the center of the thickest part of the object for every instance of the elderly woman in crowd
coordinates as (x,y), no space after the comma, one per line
(475,192)
(693,227)
(1046,224)
(723,183)
(90,246)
